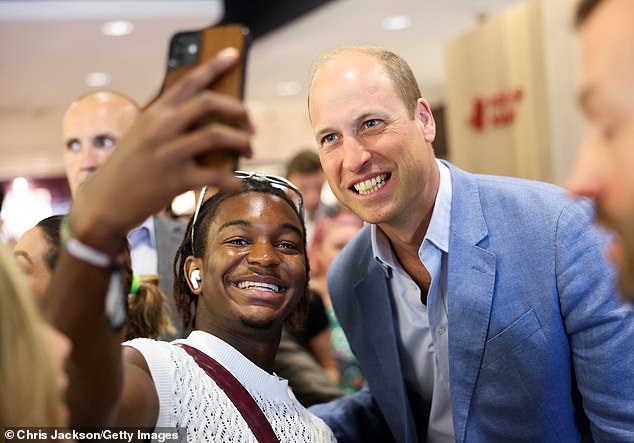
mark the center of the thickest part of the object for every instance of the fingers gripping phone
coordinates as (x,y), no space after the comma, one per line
(188,49)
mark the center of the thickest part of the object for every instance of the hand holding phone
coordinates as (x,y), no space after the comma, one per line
(190,48)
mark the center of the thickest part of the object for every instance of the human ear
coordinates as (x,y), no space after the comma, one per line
(193,274)
(425,117)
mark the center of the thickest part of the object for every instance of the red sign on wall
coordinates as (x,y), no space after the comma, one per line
(496,110)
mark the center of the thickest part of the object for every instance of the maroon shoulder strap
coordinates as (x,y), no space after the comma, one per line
(237,393)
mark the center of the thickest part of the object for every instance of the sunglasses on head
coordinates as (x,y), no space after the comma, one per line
(277,182)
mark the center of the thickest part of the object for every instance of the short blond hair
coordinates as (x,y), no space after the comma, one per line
(395,66)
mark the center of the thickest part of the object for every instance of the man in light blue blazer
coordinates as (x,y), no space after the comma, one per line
(481,308)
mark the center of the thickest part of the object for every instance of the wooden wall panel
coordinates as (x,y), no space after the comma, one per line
(497,113)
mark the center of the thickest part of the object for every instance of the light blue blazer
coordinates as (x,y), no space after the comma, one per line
(541,347)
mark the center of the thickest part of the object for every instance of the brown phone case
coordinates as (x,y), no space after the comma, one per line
(189,48)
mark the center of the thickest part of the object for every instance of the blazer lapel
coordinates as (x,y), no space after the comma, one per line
(471,281)
(378,351)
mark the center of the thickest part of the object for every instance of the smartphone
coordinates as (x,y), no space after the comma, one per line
(188,49)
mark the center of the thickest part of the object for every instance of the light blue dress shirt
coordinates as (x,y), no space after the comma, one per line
(143,248)
(423,334)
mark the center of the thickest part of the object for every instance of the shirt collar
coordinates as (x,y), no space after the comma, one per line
(437,232)
(143,233)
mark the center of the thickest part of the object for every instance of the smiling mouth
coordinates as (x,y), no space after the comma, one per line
(371,185)
(260,286)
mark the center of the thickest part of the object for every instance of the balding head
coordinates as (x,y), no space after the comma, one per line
(396,68)
(93,124)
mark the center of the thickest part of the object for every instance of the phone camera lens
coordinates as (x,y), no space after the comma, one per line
(192,48)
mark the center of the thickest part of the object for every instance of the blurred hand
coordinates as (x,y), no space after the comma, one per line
(156,160)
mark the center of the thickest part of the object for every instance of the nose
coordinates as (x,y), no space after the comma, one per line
(355,155)
(584,178)
(264,254)
(89,157)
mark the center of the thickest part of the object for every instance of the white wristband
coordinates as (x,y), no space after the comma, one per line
(87,254)
(83,252)
(115,301)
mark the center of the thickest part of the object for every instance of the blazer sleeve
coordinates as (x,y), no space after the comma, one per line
(600,325)
(355,418)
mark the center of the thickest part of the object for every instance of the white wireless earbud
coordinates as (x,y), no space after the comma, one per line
(194,278)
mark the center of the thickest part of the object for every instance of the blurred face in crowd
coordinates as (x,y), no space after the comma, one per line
(92,126)
(30,252)
(374,149)
(336,238)
(310,186)
(604,167)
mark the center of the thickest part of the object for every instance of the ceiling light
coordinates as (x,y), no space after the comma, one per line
(184,204)
(287,88)
(117,28)
(97,79)
(396,22)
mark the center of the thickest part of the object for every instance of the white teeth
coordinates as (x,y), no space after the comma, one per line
(258,285)
(371,185)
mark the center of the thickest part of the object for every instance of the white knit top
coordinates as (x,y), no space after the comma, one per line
(189,398)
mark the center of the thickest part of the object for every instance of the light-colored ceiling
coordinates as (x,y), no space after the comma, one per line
(48,47)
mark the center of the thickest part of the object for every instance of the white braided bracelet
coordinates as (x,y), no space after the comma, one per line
(115,302)
(83,252)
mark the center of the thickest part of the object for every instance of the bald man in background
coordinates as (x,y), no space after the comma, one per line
(92,126)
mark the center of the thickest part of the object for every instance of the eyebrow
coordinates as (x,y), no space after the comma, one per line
(101,135)
(24,254)
(320,132)
(247,224)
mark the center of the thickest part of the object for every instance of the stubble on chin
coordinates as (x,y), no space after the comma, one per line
(262,325)
(622,252)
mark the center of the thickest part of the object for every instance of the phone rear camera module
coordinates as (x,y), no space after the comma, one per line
(184,49)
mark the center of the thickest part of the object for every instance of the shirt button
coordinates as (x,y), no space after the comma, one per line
(441,330)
